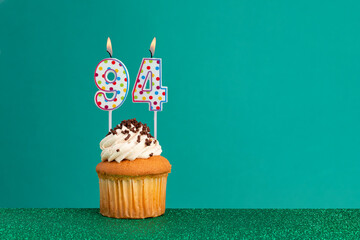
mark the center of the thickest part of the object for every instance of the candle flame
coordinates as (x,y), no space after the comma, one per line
(152,46)
(108,47)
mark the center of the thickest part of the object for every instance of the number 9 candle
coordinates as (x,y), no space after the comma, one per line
(117,85)
(148,87)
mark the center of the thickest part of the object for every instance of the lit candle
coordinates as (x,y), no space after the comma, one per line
(112,78)
(148,87)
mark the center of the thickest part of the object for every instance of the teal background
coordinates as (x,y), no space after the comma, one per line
(263,107)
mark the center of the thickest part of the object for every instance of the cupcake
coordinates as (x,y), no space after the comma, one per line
(132,174)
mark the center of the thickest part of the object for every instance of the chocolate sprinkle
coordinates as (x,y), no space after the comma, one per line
(118,150)
(151,154)
(127,137)
(147,142)
(125,131)
(138,138)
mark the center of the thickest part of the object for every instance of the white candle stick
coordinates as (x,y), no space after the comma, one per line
(110,120)
(155,124)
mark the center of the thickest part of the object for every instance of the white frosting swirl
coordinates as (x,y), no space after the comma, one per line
(115,147)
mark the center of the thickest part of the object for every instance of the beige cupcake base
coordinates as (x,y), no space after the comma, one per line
(132,197)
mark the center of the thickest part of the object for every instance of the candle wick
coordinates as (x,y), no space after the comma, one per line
(109,53)
(150,53)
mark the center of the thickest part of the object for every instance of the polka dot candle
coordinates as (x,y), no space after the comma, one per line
(117,86)
(148,88)
(112,80)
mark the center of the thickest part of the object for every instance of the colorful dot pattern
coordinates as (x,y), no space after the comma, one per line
(156,94)
(118,86)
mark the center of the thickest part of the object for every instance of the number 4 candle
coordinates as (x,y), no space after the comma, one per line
(148,88)
(117,85)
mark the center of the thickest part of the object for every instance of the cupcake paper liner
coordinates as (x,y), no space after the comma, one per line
(132,197)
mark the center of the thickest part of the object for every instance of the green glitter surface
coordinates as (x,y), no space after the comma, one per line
(182,224)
